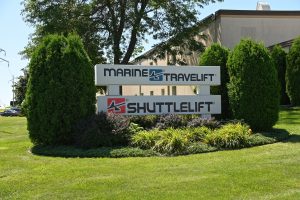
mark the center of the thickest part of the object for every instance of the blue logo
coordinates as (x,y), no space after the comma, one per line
(156,74)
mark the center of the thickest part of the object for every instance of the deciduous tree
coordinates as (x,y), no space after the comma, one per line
(118,27)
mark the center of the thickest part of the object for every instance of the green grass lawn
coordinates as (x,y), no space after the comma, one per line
(264,172)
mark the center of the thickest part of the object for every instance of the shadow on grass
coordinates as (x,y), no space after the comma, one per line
(282,135)
(277,133)
(290,115)
(293,139)
(73,152)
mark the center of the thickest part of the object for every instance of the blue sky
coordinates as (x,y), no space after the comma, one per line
(14,34)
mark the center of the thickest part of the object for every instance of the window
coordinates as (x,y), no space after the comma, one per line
(151,93)
(174,90)
(162,92)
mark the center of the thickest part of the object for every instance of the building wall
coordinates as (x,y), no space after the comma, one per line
(212,34)
(267,29)
(227,30)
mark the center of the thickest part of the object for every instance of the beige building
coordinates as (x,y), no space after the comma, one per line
(228,27)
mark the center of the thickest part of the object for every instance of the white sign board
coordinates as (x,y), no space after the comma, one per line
(156,75)
(157,105)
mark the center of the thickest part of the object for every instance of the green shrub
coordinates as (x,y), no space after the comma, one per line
(168,141)
(145,139)
(86,133)
(202,139)
(198,122)
(61,89)
(230,136)
(197,134)
(171,141)
(103,130)
(145,121)
(216,55)
(253,86)
(293,73)
(171,121)
(279,57)
(134,128)
(259,139)
(120,127)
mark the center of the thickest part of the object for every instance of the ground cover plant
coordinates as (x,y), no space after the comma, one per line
(263,172)
(112,135)
(180,141)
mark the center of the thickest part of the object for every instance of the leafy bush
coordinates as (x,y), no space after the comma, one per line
(86,133)
(168,141)
(198,122)
(120,128)
(102,130)
(253,86)
(145,121)
(259,139)
(134,128)
(216,55)
(197,134)
(230,136)
(170,121)
(146,139)
(171,141)
(293,73)
(279,57)
(61,89)
(202,139)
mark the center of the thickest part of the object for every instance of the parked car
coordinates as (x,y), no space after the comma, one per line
(10,112)
(16,109)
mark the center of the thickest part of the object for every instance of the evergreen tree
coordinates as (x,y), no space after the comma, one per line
(293,73)
(253,86)
(216,55)
(279,57)
(61,89)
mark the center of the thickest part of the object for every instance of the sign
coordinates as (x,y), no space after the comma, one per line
(144,105)
(156,75)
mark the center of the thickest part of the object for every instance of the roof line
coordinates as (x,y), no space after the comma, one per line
(231,12)
(258,12)
(200,23)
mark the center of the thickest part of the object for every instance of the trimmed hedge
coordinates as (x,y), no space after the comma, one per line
(216,55)
(293,73)
(279,57)
(61,89)
(253,88)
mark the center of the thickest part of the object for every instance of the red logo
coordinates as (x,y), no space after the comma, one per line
(116,105)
